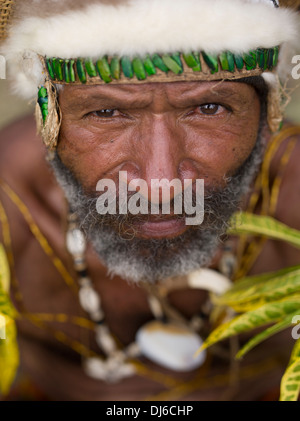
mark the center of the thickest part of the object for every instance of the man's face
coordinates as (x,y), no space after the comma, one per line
(184,130)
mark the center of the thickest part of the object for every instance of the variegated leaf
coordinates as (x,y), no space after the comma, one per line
(243,285)
(4,270)
(267,333)
(290,382)
(248,223)
(264,292)
(6,307)
(265,314)
(5,303)
(9,355)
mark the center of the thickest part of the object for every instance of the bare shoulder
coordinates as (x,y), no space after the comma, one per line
(21,153)
(24,169)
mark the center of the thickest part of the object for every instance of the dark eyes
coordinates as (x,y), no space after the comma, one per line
(210,109)
(106,113)
(205,109)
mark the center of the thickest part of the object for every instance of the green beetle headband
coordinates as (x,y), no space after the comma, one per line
(161,67)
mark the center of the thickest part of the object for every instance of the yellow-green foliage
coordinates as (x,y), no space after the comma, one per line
(9,353)
(264,299)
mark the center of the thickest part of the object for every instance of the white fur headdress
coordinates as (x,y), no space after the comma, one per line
(71,29)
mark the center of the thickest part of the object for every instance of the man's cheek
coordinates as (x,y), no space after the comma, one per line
(76,138)
(239,141)
(209,153)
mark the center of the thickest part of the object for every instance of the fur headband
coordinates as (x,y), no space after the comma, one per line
(138,27)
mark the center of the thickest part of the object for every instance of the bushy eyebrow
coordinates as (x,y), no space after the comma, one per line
(226,93)
(219,91)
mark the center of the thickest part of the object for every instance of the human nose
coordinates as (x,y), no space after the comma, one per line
(164,157)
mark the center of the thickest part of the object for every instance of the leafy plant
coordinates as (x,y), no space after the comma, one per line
(9,352)
(270,298)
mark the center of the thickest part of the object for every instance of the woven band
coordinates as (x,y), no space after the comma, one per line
(6,8)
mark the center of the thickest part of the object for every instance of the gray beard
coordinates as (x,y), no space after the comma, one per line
(150,260)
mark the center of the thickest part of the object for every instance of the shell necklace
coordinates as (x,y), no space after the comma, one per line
(169,340)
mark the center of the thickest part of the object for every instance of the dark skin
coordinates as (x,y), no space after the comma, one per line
(159,130)
(167,131)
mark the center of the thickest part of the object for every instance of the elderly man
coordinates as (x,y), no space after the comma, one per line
(112,305)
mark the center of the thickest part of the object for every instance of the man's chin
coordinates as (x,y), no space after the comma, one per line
(153,259)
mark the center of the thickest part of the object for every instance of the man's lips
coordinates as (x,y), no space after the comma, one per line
(160,228)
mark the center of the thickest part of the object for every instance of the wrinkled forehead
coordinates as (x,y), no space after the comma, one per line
(172,91)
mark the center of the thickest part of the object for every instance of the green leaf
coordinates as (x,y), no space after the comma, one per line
(267,333)
(273,289)
(253,281)
(265,314)
(290,382)
(247,223)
